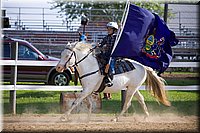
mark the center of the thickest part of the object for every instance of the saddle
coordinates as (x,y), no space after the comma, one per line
(121,66)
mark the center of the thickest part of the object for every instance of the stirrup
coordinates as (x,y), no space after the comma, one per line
(109,84)
(108,81)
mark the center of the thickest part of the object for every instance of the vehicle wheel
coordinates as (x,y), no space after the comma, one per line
(59,79)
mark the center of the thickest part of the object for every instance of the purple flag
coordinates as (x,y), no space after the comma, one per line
(146,39)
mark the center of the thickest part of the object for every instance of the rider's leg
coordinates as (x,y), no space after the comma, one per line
(112,66)
(109,71)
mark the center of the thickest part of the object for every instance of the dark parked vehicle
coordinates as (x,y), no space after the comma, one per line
(26,51)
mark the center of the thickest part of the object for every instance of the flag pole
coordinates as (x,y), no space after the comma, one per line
(119,32)
(123,20)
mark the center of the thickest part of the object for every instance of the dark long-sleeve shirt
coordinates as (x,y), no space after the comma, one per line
(107,45)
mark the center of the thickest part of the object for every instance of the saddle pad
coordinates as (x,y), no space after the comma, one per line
(122,66)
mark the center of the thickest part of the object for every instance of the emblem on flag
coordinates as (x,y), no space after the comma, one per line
(152,47)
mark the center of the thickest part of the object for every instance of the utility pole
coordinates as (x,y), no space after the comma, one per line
(165,12)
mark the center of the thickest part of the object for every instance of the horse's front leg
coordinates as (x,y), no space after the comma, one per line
(86,92)
(89,99)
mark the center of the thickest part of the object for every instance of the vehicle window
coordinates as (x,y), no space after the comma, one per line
(6,50)
(27,53)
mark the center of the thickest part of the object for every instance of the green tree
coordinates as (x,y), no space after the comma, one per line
(100,10)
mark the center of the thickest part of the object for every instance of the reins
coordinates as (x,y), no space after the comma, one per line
(82,59)
(76,63)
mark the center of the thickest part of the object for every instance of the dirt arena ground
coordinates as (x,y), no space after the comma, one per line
(100,123)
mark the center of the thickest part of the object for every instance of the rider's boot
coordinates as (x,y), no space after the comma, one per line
(109,78)
(109,73)
(108,81)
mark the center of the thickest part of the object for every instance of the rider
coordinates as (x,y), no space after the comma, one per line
(106,47)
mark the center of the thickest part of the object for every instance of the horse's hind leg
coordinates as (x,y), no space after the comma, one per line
(129,95)
(140,98)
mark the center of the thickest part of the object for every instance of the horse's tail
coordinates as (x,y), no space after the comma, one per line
(156,85)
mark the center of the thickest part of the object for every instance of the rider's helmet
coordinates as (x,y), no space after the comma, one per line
(113,25)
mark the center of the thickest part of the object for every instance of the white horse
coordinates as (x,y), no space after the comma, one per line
(80,55)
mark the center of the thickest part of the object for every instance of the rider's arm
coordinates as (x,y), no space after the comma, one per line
(103,42)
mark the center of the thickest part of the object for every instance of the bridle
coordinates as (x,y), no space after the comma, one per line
(78,62)
(69,57)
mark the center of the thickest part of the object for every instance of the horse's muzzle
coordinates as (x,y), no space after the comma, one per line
(59,68)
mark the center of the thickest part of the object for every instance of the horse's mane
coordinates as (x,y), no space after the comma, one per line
(83,46)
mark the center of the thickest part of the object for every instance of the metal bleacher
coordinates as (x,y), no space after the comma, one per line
(52,40)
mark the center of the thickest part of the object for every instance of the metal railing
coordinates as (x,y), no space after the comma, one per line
(184,23)
(47,19)
(51,43)
(33,18)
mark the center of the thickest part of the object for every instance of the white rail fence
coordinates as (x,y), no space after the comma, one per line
(15,87)
(77,88)
(54,63)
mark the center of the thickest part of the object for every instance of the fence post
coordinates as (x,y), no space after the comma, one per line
(123,97)
(14,56)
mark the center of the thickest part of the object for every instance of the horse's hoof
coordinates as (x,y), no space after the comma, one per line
(63,118)
(146,117)
(147,114)
(114,120)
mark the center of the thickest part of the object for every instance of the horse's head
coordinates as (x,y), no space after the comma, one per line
(66,57)
(77,49)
